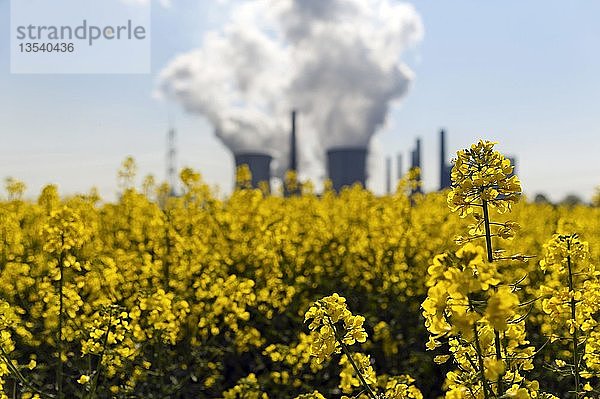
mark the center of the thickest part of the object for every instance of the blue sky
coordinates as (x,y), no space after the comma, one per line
(522,73)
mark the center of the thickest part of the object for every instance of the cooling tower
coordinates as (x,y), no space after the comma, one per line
(259,165)
(346,166)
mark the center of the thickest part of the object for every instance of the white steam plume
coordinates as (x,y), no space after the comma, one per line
(336,61)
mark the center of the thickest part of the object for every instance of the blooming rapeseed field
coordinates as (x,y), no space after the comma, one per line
(310,296)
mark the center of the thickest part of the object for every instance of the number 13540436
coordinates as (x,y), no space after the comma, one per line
(46,47)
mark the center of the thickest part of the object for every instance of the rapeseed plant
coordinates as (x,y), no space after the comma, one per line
(469,301)
(571,299)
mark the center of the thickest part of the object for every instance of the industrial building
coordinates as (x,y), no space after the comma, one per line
(347,166)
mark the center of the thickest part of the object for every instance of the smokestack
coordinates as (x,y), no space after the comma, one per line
(416,162)
(399,171)
(293,147)
(445,169)
(346,166)
(416,155)
(291,186)
(388,175)
(259,165)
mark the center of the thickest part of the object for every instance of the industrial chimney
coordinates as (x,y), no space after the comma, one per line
(445,169)
(291,187)
(346,166)
(293,145)
(388,175)
(415,162)
(259,165)
(399,171)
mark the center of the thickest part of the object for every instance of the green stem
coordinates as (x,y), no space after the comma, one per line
(486,395)
(16,373)
(99,370)
(573,318)
(490,256)
(352,362)
(497,344)
(59,368)
(167,258)
(357,370)
(488,233)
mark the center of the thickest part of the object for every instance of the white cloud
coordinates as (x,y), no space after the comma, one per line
(338,62)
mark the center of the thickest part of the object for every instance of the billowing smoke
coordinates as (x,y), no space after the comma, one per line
(336,61)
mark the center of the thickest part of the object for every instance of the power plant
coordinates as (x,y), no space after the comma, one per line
(326,71)
(345,166)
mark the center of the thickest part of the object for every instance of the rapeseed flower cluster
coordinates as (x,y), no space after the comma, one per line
(293,361)
(333,325)
(401,387)
(465,307)
(482,173)
(7,345)
(348,375)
